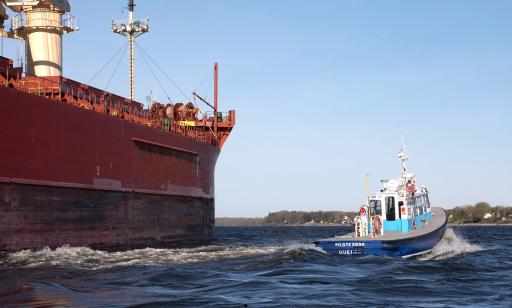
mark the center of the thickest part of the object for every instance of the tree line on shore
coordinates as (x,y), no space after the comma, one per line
(316,217)
(481,212)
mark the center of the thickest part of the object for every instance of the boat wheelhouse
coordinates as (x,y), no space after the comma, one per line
(397,209)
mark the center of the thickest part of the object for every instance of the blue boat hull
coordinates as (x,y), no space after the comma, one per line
(406,247)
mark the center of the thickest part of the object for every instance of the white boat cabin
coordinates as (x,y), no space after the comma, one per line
(400,206)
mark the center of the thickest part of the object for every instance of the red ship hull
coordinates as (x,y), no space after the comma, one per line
(71,176)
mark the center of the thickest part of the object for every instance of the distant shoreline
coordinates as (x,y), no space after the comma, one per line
(341,225)
(259,222)
(480,225)
(285,226)
(480,214)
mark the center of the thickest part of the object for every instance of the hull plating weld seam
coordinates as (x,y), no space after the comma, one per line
(101,188)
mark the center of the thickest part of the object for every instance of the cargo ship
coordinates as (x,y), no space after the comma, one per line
(81,166)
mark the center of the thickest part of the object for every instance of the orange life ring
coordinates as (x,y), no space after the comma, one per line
(377,224)
(362,211)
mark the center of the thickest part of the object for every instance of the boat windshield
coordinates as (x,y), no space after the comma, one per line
(375,207)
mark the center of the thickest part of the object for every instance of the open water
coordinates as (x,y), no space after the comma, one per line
(265,266)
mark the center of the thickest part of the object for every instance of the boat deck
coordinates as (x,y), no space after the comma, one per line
(438,220)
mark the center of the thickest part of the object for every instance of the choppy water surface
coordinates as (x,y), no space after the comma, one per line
(265,266)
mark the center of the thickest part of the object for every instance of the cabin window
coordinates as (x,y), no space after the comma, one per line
(375,207)
(390,208)
(427,201)
(400,204)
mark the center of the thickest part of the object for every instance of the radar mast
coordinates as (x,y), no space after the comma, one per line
(131,29)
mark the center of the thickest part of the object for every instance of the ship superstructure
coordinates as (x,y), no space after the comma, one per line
(83,166)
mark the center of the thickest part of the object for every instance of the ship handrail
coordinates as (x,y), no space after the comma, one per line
(62,89)
(67,21)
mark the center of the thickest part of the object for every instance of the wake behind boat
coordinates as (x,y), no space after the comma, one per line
(405,226)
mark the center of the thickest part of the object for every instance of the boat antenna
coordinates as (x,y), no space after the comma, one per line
(404,146)
(402,155)
(131,29)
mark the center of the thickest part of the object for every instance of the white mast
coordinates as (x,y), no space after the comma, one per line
(409,181)
(402,155)
(131,29)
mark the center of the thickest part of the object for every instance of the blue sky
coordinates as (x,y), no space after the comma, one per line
(324,89)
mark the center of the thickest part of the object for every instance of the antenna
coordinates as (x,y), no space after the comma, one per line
(151,98)
(131,29)
(404,147)
(402,155)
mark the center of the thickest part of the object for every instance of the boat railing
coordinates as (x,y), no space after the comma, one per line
(69,22)
(221,116)
(360,227)
(82,96)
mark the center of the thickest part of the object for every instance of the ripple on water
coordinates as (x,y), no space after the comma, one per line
(263,266)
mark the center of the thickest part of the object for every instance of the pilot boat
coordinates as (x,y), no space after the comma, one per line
(398,221)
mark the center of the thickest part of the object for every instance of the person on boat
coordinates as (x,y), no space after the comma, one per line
(377,225)
(364,221)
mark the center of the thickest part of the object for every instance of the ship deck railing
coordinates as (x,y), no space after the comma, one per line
(83,96)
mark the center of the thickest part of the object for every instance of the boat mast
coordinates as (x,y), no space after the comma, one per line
(402,155)
(408,179)
(131,29)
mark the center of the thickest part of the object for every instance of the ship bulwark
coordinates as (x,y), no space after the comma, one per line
(71,176)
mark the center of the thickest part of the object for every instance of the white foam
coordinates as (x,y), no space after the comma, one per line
(302,247)
(449,246)
(86,258)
